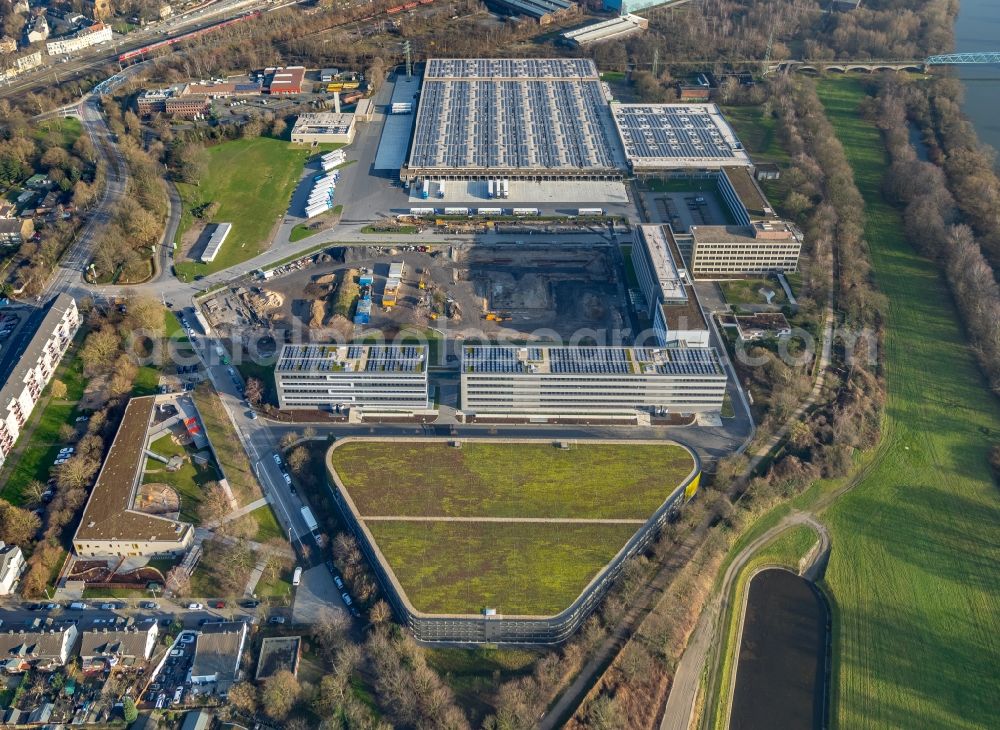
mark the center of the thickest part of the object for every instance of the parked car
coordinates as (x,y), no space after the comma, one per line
(108,607)
(219,604)
(288,479)
(347,598)
(150,605)
(187,639)
(252,603)
(195,606)
(276,620)
(51,606)
(338,582)
(277,459)
(252,415)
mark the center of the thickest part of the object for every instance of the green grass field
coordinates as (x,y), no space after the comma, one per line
(267,525)
(514,567)
(746,291)
(40,451)
(510,480)
(915,568)
(225,444)
(252,180)
(188,481)
(785,550)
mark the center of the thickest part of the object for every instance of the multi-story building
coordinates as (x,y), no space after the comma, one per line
(370,377)
(19,64)
(672,303)
(97,33)
(34,369)
(111,525)
(42,647)
(172,102)
(501,381)
(11,566)
(15,231)
(759,248)
(37,29)
(100,647)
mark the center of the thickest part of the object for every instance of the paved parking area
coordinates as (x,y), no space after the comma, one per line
(315,594)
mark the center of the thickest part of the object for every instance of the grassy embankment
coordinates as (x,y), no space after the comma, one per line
(786,550)
(516,566)
(227,447)
(252,180)
(915,569)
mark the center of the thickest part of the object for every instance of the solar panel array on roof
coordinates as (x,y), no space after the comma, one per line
(510,68)
(675,131)
(592,360)
(526,123)
(353,358)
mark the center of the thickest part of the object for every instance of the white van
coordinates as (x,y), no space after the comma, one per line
(297,577)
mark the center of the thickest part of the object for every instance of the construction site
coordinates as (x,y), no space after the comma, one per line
(536,291)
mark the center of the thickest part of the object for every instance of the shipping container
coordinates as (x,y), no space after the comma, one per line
(490,211)
(456,211)
(525,211)
(314,210)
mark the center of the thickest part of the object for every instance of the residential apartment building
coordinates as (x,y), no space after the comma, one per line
(105,647)
(672,303)
(31,373)
(97,33)
(759,248)
(217,654)
(15,231)
(18,65)
(371,377)
(111,526)
(578,382)
(36,647)
(11,566)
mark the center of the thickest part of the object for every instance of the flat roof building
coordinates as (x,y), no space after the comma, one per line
(215,241)
(501,381)
(605,30)
(529,119)
(370,377)
(660,137)
(110,525)
(759,248)
(672,302)
(278,653)
(324,128)
(29,374)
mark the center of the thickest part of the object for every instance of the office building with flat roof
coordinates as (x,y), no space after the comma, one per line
(527,119)
(111,525)
(759,248)
(369,377)
(671,300)
(659,137)
(500,381)
(32,371)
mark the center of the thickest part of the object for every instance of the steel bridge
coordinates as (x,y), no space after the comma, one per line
(948,59)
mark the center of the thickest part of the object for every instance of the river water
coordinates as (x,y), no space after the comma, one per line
(978,29)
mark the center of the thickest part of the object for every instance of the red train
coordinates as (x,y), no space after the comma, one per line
(186,36)
(407,6)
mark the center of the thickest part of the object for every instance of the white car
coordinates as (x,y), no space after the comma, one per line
(57,462)
(288,479)
(277,459)
(195,606)
(187,639)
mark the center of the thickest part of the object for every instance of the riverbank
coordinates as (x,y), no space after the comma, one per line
(915,569)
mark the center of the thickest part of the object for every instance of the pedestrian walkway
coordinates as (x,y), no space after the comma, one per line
(236,514)
(544,520)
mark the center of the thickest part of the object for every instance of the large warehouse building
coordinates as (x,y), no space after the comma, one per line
(589,382)
(658,137)
(521,119)
(370,377)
